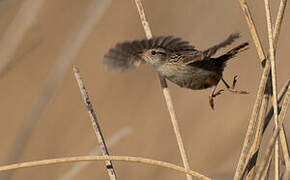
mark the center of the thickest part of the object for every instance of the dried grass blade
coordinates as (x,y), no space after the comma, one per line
(95,124)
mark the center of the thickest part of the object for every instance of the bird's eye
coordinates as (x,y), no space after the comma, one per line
(153,53)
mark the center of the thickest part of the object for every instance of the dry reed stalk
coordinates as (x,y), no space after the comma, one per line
(271,144)
(252,156)
(274,83)
(95,124)
(71,47)
(266,172)
(269,150)
(166,93)
(276,33)
(252,28)
(104,158)
(16,31)
(284,144)
(253,120)
(279,19)
(281,95)
(261,126)
(257,106)
(283,139)
(114,139)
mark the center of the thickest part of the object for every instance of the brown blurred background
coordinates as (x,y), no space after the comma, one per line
(213,139)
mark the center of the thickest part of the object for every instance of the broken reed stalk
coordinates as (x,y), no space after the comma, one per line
(257,106)
(166,93)
(274,83)
(95,124)
(104,158)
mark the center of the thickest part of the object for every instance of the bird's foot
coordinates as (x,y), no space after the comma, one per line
(232,88)
(237,91)
(217,93)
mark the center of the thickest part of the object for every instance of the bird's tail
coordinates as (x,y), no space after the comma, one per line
(230,54)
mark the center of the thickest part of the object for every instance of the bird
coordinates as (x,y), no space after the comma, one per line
(178,61)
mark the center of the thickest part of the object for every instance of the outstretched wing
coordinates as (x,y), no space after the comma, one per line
(212,50)
(193,58)
(126,56)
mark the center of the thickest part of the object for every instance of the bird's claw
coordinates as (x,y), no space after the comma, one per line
(218,93)
(212,96)
(234,81)
(211,103)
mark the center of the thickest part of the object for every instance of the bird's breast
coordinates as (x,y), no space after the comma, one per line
(190,77)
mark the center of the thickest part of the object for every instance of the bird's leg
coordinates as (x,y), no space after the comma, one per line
(232,89)
(214,94)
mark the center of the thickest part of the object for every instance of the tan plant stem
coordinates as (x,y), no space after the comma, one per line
(257,106)
(283,139)
(274,83)
(95,124)
(261,126)
(166,92)
(269,150)
(103,158)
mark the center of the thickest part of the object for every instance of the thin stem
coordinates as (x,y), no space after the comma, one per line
(253,154)
(257,106)
(103,158)
(253,120)
(252,28)
(272,142)
(283,139)
(267,168)
(269,150)
(166,92)
(95,124)
(261,126)
(274,82)
(279,20)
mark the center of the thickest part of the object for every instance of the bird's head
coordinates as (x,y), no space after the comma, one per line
(155,56)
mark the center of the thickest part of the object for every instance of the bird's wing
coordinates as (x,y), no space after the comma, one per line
(187,57)
(126,56)
(194,57)
(212,50)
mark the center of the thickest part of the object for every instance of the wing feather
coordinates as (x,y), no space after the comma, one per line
(127,55)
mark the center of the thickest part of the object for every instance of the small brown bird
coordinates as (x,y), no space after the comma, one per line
(177,61)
